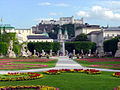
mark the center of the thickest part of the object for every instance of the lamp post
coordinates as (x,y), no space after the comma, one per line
(63,47)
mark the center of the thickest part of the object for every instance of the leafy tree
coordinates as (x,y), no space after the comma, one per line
(4,42)
(69,27)
(3,48)
(81,37)
(111,45)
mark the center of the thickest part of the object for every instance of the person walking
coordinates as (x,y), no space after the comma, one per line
(70,55)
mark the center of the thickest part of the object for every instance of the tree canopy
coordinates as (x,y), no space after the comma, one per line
(81,37)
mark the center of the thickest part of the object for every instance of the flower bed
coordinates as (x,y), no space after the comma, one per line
(36,87)
(116,74)
(88,71)
(20,76)
(52,72)
(117,88)
(92,71)
(12,63)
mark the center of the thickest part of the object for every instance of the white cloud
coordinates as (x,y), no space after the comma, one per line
(98,12)
(82,14)
(45,4)
(111,4)
(53,14)
(62,5)
(53,4)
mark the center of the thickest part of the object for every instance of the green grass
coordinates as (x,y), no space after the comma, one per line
(73,81)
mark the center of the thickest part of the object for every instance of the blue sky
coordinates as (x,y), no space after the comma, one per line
(26,13)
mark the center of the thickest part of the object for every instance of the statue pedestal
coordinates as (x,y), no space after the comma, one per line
(12,55)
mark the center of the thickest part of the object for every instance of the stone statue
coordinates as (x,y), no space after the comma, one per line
(82,51)
(96,52)
(11,54)
(29,53)
(35,53)
(24,51)
(78,56)
(66,52)
(74,52)
(89,54)
(82,54)
(58,52)
(50,53)
(117,54)
(43,53)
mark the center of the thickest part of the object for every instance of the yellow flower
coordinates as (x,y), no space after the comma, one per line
(50,88)
(2,87)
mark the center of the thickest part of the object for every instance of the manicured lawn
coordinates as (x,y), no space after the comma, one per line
(111,63)
(23,64)
(73,81)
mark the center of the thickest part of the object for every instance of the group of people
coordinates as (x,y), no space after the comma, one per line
(71,55)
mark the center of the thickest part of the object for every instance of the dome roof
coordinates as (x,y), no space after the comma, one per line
(46,34)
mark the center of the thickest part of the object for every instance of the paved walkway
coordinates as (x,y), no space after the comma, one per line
(63,63)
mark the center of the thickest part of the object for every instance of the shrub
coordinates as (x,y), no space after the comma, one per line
(46,46)
(56,46)
(78,46)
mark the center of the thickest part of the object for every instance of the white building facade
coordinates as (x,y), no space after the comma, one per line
(85,29)
(22,34)
(111,32)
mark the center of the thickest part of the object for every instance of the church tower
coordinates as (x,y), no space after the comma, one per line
(60,36)
(66,35)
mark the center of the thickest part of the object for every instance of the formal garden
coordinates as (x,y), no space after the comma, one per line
(69,80)
(41,55)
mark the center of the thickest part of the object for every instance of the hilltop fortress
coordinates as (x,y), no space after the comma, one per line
(64,20)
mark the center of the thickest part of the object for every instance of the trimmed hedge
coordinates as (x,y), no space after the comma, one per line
(78,46)
(46,46)
(111,45)
(3,48)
